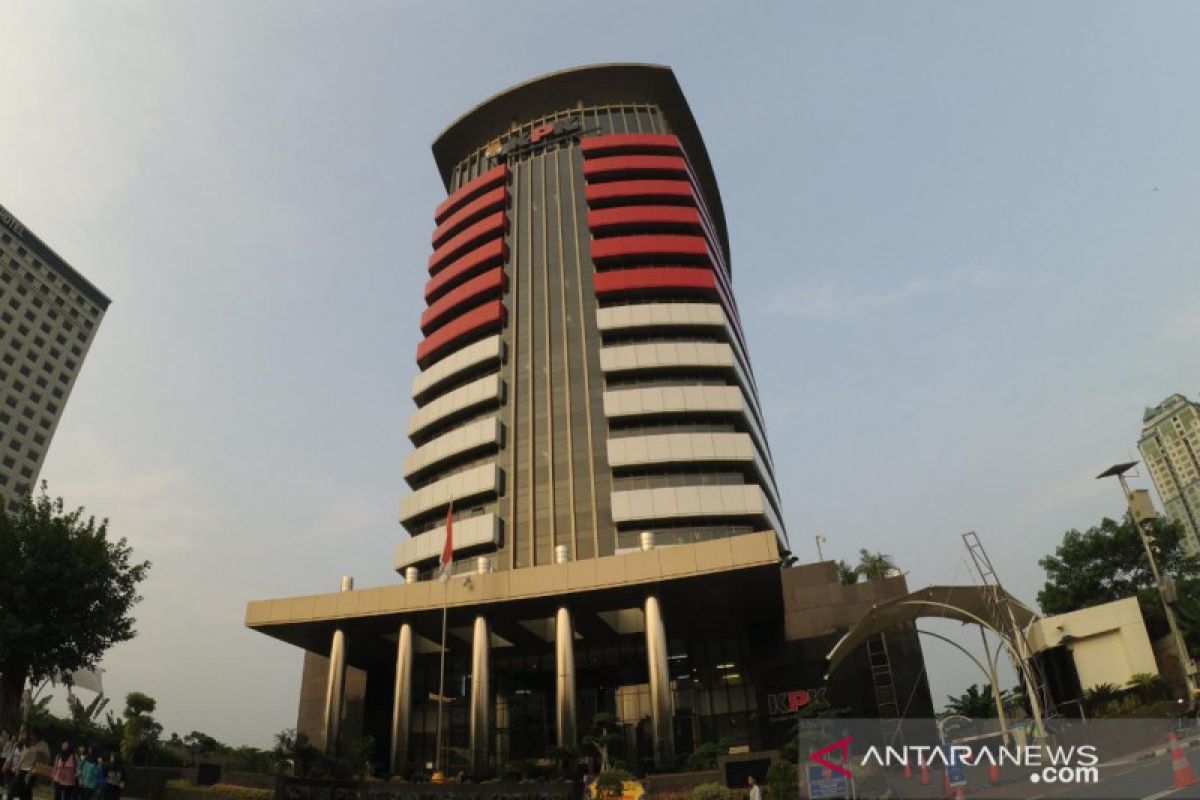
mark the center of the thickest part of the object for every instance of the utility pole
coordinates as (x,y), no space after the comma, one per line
(1185,660)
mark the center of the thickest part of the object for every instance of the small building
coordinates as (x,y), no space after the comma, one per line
(1104,644)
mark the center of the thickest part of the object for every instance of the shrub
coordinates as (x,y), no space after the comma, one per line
(782,781)
(611,784)
(220,790)
(1148,686)
(711,791)
(705,755)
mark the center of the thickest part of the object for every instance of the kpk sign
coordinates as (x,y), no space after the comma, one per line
(784,703)
(518,143)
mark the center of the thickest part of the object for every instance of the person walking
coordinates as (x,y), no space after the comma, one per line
(63,773)
(755,789)
(12,755)
(114,778)
(101,779)
(81,754)
(87,776)
(34,758)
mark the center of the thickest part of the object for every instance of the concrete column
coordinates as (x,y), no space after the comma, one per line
(335,686)
(480,697)
(402,702)
(564,653)
(335,691)
(662,714)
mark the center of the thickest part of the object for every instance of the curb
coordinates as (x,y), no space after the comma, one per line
(1153,754)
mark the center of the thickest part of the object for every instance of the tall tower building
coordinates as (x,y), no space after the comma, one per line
(584,376)
(49,314)
(1170,446)
(586,403)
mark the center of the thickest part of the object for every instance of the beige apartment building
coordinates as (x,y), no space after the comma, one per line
(1170,445)
(49,315)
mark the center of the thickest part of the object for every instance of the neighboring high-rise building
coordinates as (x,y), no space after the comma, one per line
(49,314)
(1170,445)
(586,404)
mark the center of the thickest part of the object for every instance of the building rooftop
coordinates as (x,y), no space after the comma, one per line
(53,259)
(596,84)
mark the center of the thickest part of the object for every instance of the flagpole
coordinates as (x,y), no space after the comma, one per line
(447,564)
(441,700)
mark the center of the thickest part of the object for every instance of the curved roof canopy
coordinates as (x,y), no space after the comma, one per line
(970,605)
(597,84)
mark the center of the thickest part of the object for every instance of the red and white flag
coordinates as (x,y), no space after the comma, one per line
(448,549)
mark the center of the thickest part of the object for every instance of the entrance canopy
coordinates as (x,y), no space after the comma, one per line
(971,605)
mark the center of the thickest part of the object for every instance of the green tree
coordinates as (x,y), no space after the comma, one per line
(976,702)
(874,566)
(603,737)
(66,591)
(846,573)
(200,744)
(86,717)
(1108,562)
(140,731)
(295,748)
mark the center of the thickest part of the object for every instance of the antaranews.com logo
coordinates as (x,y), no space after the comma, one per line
(1074,764)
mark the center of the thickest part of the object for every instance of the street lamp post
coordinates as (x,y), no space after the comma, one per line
(1185,661)
(820,538)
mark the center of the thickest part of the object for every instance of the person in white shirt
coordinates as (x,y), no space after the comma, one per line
(755,790)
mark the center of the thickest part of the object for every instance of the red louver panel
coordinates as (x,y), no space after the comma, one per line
(613,220)
(654,278)
(487,202)
(488,180)
(486,317)
(661,143)
(617,167)
(487,255)
(649,248)
(487,228)
(600,195)
(489,283)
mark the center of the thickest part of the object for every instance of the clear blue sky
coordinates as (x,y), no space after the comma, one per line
(964,242)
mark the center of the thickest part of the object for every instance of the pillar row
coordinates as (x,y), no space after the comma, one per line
(564,657)
(480,696)
(661,705)
(402,702)
(335,692)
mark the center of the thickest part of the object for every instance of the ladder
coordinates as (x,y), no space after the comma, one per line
(886,702)
(998,600)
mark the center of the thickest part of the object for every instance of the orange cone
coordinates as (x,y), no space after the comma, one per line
(1184,776)
(993,774)
(924,773)
(907,771)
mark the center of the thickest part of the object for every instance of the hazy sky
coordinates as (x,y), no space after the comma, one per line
(964,243)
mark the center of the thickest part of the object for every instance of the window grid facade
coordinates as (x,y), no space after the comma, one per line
(556,486)
(49,315)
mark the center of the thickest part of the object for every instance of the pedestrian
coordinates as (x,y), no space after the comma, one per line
(114,778)
(80,757)
(101,788)
(12,755)
(755,791)
(87,776)
(63,775)
(34,758)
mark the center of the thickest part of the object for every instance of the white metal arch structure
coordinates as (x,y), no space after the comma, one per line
(989,607)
